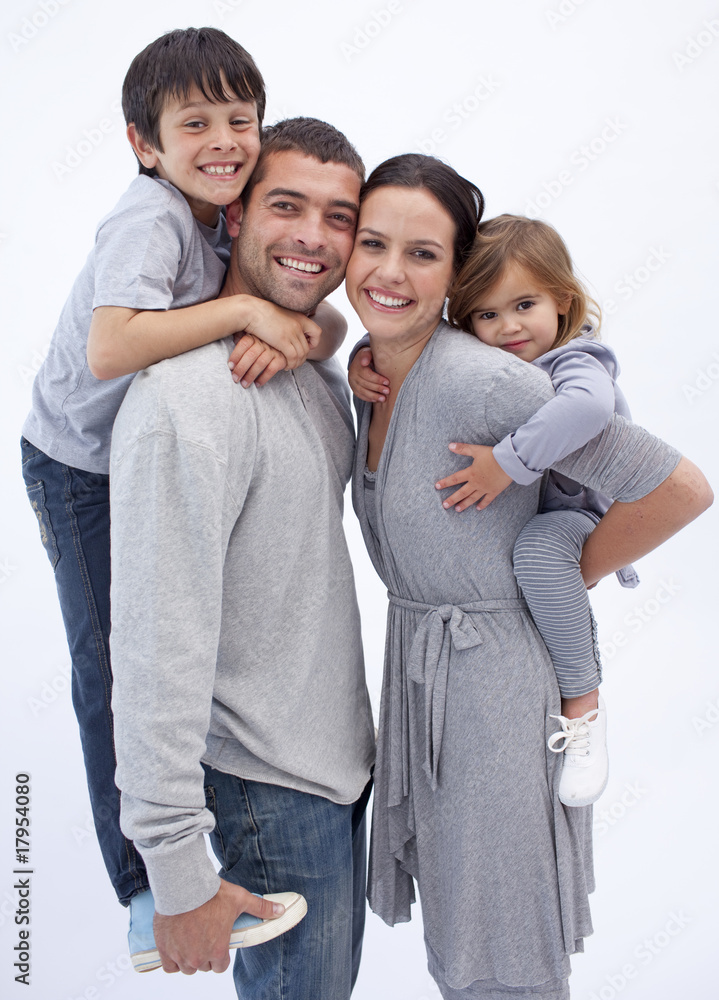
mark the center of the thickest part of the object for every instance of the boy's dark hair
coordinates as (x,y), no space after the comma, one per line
(309,136)
(174,63)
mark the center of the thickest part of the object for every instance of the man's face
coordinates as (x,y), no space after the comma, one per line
(297,230)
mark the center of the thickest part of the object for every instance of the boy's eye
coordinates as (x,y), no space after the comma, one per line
(194,124)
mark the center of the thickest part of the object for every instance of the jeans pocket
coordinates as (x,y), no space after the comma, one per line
(36,496)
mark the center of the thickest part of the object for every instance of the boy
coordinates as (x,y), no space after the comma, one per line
(193,101)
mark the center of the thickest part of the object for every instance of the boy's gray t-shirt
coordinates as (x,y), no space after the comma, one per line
(150,253)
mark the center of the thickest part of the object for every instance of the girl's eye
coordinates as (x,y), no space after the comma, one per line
(483,315)
(523,306)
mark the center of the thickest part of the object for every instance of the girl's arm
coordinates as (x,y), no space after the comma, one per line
(123,341)
(583,404)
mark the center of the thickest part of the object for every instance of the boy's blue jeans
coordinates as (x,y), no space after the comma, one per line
(73,512)
(274,839)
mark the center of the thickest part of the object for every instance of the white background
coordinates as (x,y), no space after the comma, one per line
(508,93)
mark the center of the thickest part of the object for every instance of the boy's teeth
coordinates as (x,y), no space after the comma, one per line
(386,300)
(300,265)
(231,168)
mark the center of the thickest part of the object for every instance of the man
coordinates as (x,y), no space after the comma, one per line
(236,636)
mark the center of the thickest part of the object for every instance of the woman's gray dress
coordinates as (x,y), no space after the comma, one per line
(465,786)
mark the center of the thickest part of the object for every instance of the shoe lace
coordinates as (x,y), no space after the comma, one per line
(574,733)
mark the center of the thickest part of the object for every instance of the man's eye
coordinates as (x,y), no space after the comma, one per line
(283,206)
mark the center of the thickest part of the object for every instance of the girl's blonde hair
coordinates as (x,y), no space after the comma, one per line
(539,249)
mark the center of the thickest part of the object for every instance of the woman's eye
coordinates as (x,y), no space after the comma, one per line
(371,244)
(424,255)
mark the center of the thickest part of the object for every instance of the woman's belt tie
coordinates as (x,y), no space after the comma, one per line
(441,628)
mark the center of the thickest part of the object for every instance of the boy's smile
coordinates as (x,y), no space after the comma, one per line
(208,151)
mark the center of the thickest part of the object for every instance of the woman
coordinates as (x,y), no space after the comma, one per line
(466,789)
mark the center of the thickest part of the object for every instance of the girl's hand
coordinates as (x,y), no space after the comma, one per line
(483,480)
(252,360)
(364,381)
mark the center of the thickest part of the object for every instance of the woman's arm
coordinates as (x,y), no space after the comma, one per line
(630,530)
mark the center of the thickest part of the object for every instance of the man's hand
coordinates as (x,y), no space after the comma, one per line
(252,360)
(483,480)
(199,939)
(364,381)
(291,333)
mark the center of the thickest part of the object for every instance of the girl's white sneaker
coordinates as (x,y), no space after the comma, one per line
(585,767)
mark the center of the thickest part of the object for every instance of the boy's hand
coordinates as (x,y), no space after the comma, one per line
(252,360)
(483,480)
(364,381)
(291,333)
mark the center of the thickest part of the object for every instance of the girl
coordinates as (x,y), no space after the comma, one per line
(518,291)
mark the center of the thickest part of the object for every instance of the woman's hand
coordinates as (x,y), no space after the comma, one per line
(365,382)
(483,480)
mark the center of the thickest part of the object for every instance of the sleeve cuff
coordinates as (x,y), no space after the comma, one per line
(183,878)
(507,458)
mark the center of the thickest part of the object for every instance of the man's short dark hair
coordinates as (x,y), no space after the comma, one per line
(308,136)
(173,64)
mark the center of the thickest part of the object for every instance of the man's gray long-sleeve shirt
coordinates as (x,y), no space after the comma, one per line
(235,632)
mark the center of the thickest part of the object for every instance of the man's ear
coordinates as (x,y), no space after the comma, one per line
(145,152)
(233,217)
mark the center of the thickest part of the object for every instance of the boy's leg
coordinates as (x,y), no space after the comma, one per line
(546,564)
(274,839)
(73,512)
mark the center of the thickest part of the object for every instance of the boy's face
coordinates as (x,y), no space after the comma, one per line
(209,150)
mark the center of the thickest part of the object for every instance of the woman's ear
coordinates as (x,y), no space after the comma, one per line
(233,217)
(144,151)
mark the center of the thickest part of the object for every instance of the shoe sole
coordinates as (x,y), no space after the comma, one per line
(587,801)
(244,937)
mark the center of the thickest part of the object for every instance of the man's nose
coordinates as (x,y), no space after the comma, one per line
(311,231)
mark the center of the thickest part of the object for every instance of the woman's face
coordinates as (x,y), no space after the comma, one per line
(402,263)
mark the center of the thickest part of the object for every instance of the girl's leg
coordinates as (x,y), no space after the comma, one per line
(546,564)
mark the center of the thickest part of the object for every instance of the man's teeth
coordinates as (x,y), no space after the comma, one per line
(300,265)
(231,168)
(386,300)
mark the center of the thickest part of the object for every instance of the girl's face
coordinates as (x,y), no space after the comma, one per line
(518,315)
(402,263)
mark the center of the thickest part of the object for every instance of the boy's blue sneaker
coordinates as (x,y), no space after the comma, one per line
(246,930)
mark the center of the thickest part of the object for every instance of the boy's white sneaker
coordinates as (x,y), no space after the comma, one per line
(585,767)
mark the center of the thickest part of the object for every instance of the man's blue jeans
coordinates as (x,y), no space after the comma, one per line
(274,839)
(73,512)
